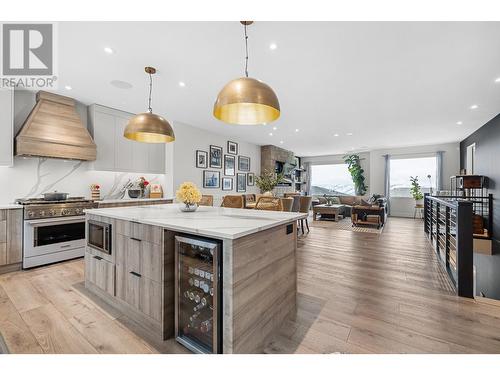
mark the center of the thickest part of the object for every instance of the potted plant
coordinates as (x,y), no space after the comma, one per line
(189,196)
(416,190)
(268,181)
(357,173)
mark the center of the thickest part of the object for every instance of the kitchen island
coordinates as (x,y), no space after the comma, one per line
(258,263)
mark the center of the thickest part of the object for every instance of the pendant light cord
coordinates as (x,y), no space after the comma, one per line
(150,91)
(246,51)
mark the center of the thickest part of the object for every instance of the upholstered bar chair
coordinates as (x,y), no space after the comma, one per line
(233,201)
(269,204)
(206,200)
(304,207)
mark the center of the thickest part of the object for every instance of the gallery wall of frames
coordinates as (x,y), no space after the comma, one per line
(224,168)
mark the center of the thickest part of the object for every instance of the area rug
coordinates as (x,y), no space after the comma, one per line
(346,224)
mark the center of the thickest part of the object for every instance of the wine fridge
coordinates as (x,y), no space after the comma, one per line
(198,297)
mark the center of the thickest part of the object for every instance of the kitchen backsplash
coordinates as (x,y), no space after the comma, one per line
(30,177)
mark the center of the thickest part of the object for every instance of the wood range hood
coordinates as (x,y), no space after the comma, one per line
(54,129)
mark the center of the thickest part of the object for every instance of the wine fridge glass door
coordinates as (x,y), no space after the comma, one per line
(197,294)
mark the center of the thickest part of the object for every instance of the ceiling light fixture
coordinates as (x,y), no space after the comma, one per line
(474,106)
(182,84)
(67,87)
(281,142)
(246,101)
(273,46)
(497,80)
(296,130)
(459,122)
(148,127)
(274,128)
(271,134)
(349,134)
(109,50)
(335,135)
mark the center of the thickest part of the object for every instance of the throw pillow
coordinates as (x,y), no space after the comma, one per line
(365,203)
(335,200)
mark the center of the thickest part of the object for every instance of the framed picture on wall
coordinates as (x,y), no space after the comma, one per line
(227,183)
(215,157)
(250,179)
(201,159)
(244,163)
(232,148)
(229,165)
(241,182)
(211,179)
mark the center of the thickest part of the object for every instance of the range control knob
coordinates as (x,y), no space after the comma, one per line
(52,212)
(65,211)
(30,213)
(42,213)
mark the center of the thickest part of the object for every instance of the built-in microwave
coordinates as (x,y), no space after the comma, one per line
(99,236)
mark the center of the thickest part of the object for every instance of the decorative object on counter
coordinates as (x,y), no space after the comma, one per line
(246,101)
(211,179)
(268,181)
(95,192)
(250,179)
(244,163)
(232,148)
(227,183)
(430,183)
(416,190)
(189,196)
(155,191)
(134,193)
(55,196)
(201,159)
(229,165)
(357,173)
(215,157)
(241,182)
(148,127)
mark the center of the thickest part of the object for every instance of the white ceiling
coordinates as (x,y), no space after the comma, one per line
(389,83)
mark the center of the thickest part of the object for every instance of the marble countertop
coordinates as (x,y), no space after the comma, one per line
(131,200)
(9,206)
(215,222)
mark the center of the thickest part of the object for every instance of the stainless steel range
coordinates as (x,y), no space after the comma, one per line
(53,230)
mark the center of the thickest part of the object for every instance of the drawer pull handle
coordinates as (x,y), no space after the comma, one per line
(135,239)
(135,274)
(64,246)
(96,257)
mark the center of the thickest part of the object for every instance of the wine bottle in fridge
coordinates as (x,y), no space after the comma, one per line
(198,296)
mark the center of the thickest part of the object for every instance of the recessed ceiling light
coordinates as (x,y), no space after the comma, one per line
(275,128)
(273,46)
(121,84)
(296,130)
(281,142)
(182,84)
(459,122)
(67,87)
(271,134)
(335,135)
(108,50)
(474,106)
(497,80)
(349,134)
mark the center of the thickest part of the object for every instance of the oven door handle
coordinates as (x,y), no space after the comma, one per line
(62,220)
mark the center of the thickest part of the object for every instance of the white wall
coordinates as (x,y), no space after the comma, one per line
(181,159)
(374,166)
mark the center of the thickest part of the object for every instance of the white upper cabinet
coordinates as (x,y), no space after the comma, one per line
(117,153)
(6,127)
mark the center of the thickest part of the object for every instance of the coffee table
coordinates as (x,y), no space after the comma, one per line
(334,211)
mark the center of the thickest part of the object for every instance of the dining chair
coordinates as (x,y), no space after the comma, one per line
(287,204)
(296,203)
(304,207)
(290,195)
(233,201)
(206,200)
(269,204)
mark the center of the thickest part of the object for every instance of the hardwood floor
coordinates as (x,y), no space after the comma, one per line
(358,293)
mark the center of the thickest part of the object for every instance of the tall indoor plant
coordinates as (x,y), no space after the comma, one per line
(416,190)
(267,181)
(357,173)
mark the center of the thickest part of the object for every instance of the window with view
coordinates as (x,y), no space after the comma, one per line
(331,179)
(403,169)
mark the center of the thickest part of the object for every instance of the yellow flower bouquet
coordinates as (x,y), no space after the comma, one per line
(189,195)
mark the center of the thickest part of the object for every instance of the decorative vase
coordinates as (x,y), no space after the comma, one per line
(188,207)
(134,193)
(268,193)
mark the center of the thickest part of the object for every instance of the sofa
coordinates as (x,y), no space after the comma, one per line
(351,202)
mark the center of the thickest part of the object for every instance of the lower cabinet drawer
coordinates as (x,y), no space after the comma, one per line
(100,272)
(139,292)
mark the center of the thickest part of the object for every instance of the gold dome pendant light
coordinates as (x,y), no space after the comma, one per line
(247,101)
(148,127)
